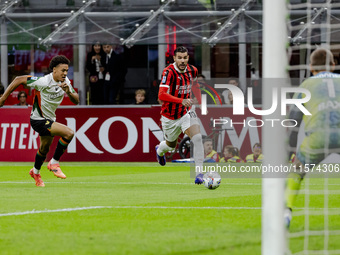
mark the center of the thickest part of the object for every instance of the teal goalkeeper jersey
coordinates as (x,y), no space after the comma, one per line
(322,128)
(324,104)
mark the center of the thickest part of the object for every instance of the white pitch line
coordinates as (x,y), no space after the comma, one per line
(140,207)
(126,207)
(127,183)
(51,211)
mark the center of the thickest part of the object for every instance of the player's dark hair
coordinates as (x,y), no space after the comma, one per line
(181,49)
(319,57)
(57,60)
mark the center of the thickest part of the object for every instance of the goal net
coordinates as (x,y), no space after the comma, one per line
(315,224)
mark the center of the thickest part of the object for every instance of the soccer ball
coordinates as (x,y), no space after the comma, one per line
(211,180)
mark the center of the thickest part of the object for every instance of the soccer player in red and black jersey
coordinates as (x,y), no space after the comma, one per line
(178,82)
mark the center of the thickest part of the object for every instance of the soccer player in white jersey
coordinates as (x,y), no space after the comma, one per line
(49,93)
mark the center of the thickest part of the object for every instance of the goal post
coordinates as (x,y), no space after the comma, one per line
(273,138)
(288,41)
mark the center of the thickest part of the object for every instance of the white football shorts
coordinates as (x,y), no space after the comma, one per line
(173,128)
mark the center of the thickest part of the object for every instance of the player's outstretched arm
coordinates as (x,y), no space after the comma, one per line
(163,95)
(11,87)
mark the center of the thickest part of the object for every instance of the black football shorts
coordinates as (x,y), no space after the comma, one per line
(43,127)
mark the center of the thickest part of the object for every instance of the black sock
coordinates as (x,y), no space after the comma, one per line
(61,147)
(39,160)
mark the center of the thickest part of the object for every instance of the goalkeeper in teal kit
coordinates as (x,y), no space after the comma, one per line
(317,135)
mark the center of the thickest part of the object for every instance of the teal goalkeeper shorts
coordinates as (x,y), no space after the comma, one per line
(317,146)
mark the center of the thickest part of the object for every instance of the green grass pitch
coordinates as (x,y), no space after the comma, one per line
(134,208)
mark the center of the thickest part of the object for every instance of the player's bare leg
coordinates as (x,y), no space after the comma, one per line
(195,135)
(45,143)
(66,134)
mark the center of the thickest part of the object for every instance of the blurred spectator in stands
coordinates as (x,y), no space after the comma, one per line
(95,65)
(237,151)
(201,80)
(255,84)
(140,96)
(218,97)
(210,155)
(205,90)
(230,98)
(114,73)
(226,154)
(22,97)
(231,154)
(231,81)
(257,154)
(213,96)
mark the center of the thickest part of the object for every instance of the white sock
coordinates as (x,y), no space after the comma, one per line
(198,152)
(36,171)
(163,148)
(53,161)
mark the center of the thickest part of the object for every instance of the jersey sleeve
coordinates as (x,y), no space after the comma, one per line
(167,78)
(37,83)
(163,93)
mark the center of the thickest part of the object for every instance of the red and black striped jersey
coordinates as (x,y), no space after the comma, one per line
(179,85)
